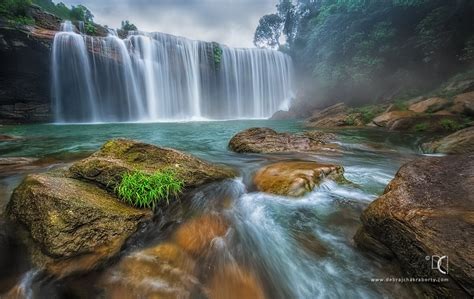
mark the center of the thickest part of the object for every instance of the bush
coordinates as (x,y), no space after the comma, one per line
(146,191)
(13,8)
(90,28)
(450,125)
(368,113)
(217,54)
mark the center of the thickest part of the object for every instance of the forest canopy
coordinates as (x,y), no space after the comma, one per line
(364,50)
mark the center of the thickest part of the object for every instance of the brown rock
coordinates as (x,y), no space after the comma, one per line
(460,142)
(427,210)
(337,115)
(429,105)
(163,271)
(294,178)
(232,282)
(119,156)
(265,140)
(195,236)
(464,103)
(388,118)
(284,115)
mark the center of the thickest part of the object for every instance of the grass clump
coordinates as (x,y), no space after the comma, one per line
(147,191)
(368,113)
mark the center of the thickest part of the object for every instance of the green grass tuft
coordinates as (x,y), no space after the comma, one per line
(147,191)
(421,127)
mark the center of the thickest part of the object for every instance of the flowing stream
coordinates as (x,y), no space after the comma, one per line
(276,247)
(161,77)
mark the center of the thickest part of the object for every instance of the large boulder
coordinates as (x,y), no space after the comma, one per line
(266,140)
(69,218)
(119,156)
(427,210)
(429,105)
(294,178)
(460,142)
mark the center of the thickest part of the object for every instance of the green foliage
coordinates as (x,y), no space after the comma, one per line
(450,125)
(421,127)
(60,9)
(401,105)
(90,28)
(16,11)
(268,31)
(216,54)
(147,191)
(368,113)
(127,26)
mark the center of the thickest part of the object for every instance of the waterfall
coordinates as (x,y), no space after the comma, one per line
(161,77)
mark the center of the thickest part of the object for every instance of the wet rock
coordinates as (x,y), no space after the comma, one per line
(295,178)
(460,142)
(427,210)
(12,164)
(195,236)
(69,218)
(284,115)
(7,138)
(164,271)
(311,244)
(424,123)
(233,282)
(337,115)
(464,103)
(119,156)
(266,140)
(429,105)
(388,118)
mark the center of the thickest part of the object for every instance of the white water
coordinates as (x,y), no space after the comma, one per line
(156,77)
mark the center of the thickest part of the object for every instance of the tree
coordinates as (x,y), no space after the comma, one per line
(81,13)
(127,26)
(268,32)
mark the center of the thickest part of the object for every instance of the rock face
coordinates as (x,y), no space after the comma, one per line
(25,74)
(429,105)
(426,210)
(460,142)
(265,140)
(388,118)
(294,178)
(119,156)
(337,115)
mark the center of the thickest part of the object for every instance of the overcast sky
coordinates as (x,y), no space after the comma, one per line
(231,22)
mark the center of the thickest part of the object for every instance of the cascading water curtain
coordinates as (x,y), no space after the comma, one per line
(160,77)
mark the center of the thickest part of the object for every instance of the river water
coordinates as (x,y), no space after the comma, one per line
(273,246)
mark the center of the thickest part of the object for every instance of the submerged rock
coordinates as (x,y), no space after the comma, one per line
(426,211)
(460,142)
(233,282)
(69,218)
(119,156)
(295,178)
(163,271)
(195,236)
(266,140)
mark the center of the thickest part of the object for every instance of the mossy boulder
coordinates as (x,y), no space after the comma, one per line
(266,140)
(68,218)
(295,178)
(427,210)
(338,115)
(116,157)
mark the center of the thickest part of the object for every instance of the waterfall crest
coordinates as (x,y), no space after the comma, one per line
(161,77)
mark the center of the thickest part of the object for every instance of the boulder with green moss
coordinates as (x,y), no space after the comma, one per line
(117,157)
(68,218)
(460,142)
